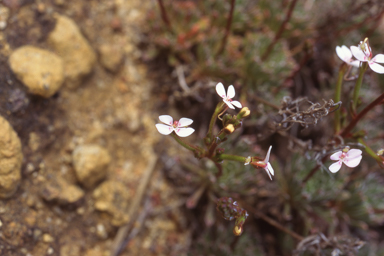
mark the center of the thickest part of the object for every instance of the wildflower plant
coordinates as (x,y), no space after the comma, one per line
(212,140)
(309,198)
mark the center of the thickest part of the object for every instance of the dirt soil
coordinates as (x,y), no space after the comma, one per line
(87,133)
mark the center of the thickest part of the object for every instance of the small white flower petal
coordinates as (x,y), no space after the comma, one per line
(266,159)
(340,53)
(231,92)
(270,169)
(379,58)
(347,52)
(220,90)
(355,63)
(268,173)
(335,167)
(164,129)
(352,153)
(336,156)
(358,53)
(166,119)
(229,104)
(353,162)
(376,67)
(236,104)
(184,132)
(183,122)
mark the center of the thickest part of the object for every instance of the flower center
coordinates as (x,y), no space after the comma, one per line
(175,124)
(260,164)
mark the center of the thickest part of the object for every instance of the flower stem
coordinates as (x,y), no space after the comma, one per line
(218,109)
(185,144)
(232,158)
(338,96)
(359,81)
(356,119)
(370,151)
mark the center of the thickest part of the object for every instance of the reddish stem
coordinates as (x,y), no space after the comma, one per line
(164,15)
(281,30)
(357,118)
(227,29)
(347,130)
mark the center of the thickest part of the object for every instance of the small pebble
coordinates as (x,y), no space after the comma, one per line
(47,238)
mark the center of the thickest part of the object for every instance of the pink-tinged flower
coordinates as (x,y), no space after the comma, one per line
(227,97)
(180,127)
(350,157)
(364,53)
(264,164)
(346,55)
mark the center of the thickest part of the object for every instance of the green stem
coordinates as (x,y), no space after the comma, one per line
(370,151)
(359,81)
(185,144)
(232,158)
(218,109)
(338,96)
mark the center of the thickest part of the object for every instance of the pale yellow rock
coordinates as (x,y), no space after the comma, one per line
(114,198)
(58,189)
(39,70)
(90,162)
(111,57)
(11,158)
(68,42)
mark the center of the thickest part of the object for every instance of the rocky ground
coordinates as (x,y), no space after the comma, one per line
(77,134)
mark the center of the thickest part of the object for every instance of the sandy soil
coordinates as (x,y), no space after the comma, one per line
(103,110)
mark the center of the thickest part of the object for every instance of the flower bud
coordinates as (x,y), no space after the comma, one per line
(227,119)
(229,129)
(244,112)
(237,230)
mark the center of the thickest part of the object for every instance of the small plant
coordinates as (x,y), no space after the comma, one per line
(315,209)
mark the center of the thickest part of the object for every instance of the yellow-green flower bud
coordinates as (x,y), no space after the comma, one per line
(244,112)
(229,129)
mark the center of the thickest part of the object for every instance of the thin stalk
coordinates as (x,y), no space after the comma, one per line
(359,81)
(219,169)
(280,31)
(184,144)
(232,158)
(313,171)
(164,15)
(274,223)
(227,29)
(370,151)
(356,119)
(338,97)
(213,121)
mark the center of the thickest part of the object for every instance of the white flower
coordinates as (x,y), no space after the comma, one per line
(346,55)
(265,164)
(227,98)
(180,127)
(350,158)
(364,53)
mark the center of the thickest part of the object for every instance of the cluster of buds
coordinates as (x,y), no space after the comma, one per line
(233,122)
(230,210)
